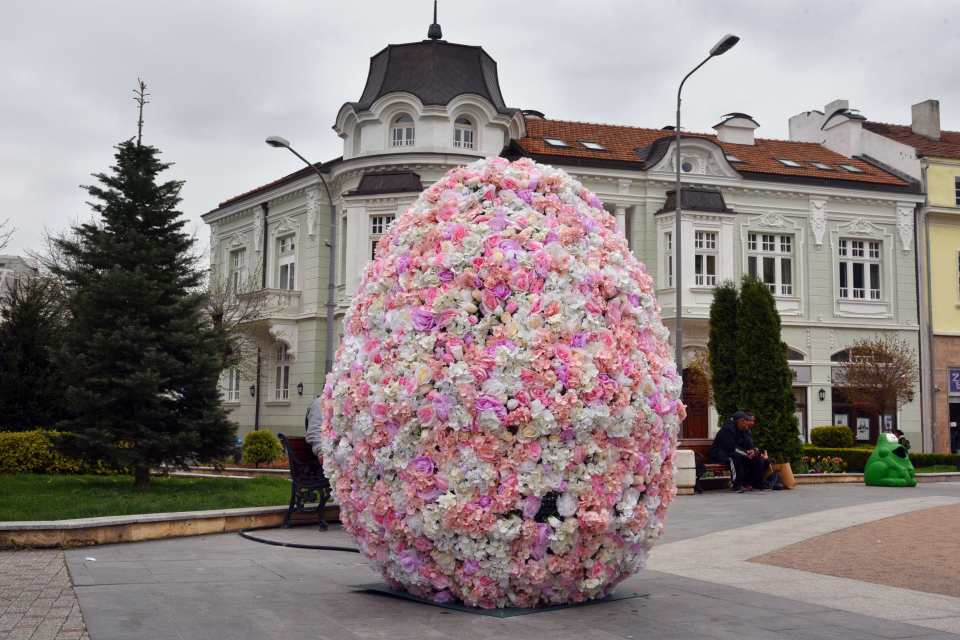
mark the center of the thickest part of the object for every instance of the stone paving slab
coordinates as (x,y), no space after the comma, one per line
(37,599)
(223,586)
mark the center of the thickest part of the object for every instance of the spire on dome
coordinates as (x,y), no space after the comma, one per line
(434,32)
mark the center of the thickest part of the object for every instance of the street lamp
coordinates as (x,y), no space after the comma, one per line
(277,141)
(726,43)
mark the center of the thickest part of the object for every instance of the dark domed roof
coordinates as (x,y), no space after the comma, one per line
(435,71)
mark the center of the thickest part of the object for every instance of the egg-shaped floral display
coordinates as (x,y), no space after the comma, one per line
(500,425)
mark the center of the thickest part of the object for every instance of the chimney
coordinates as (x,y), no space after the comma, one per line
(736,129)
(926,119)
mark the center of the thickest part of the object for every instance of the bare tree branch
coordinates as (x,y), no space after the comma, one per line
(879,374)
(5,235)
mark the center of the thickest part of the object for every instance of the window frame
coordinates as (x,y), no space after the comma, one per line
(956,191)
(407,131)
(281,383)
(868,254)
(463,131)
(759,248)
(668,259)
(287,257)
(238,268)
(850,168)
(597,146)
(793,164)
(705,247)
(553,142)
(379,224)
(233,386)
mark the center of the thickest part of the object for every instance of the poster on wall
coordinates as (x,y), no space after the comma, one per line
(888,422)
(841,419)
(863,428)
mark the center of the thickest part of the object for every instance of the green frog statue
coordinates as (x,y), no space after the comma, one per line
(889,465)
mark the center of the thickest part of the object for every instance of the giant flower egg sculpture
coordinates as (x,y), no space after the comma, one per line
(500,425)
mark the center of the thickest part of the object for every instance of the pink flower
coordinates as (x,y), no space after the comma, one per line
(422,464)
(379,411)
(422,320)
(486,403)
(531,505)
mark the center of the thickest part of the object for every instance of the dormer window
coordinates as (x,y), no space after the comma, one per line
(463,133)
(403,132)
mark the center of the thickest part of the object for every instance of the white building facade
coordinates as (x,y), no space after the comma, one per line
(430,106)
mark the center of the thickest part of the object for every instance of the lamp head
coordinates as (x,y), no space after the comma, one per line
(726,43)
(277,141)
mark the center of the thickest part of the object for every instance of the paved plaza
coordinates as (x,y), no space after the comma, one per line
(715,574)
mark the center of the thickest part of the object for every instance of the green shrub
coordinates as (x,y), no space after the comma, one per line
(260,447)
(933,459)
(33,452)
(832,437)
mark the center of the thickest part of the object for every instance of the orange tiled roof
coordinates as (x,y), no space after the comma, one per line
(621,143)
(948,146)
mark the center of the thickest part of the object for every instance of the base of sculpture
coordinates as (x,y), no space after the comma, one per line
(507,612)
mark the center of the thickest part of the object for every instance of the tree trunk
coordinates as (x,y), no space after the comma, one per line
(141,476)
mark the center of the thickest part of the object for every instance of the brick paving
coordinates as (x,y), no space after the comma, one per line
(917,551)
(37,601)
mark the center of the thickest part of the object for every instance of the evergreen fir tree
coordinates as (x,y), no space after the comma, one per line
(723,349)
(143,361)
(763,375)
(31,331)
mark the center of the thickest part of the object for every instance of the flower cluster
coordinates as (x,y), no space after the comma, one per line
(822,464)
(500,426)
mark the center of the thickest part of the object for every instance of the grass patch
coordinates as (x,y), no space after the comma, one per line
(42,497)
(940,468)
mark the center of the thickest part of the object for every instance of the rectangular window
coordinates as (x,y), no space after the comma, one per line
(463,138)
(233,385)
(705,259)
(859,277)
(282,383)
(956,190)
(378,226)
(239,268)
(771,261)
(287,264)
(668,246)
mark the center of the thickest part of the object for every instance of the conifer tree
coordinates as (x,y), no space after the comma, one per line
(723,349)
(763,375)
(31,331)
(142,360)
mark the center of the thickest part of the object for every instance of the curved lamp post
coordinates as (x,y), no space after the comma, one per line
(277,141)
(726,43)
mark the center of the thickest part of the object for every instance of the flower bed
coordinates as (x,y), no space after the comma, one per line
(821,464)
(500,425)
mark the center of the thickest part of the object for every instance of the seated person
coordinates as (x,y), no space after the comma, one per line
(733,446)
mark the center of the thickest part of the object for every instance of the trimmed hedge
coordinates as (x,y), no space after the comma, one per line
(856,459)
(33,452)
(832,437)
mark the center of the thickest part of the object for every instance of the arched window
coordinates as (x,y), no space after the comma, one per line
(794,355)
(403,132)
(463,133)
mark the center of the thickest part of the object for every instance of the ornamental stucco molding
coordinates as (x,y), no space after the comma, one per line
(818,220)
(257,233)
(237,241)
(860,227)
(623,186)
(772,220)
(905,225)
(214,244)
(312,199)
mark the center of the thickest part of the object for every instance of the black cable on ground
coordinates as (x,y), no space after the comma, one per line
(293,545)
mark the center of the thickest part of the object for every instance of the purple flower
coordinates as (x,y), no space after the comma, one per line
(567,435)
(643,461)
(502,291)
(410,560)
(595,203)
(487,403)
(579,340)
(543,533)
(485,502)
(477,283)
(444,597)
(445,276)
(402,263)
(537,551)
(563,375)
(531,505)
(634,299)
(524,194)
(441,406)
(510,245)
(550,237)
(422,320)
(422,464)
(470,567)
(497,224)
(430,495)
(547,591)
(588,224)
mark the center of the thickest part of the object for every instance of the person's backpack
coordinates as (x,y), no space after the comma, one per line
(773,481)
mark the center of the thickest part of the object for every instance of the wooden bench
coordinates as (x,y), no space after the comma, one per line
(701,452)
(309,483)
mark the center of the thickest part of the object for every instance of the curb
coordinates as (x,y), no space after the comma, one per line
(829,478)
(85,532)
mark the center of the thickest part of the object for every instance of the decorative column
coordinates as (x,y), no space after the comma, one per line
(621,214)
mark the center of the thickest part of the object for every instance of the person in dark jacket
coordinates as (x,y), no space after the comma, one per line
(733,446)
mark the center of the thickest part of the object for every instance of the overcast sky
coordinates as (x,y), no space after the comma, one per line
(224,75)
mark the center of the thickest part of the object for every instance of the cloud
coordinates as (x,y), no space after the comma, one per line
(224,75)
